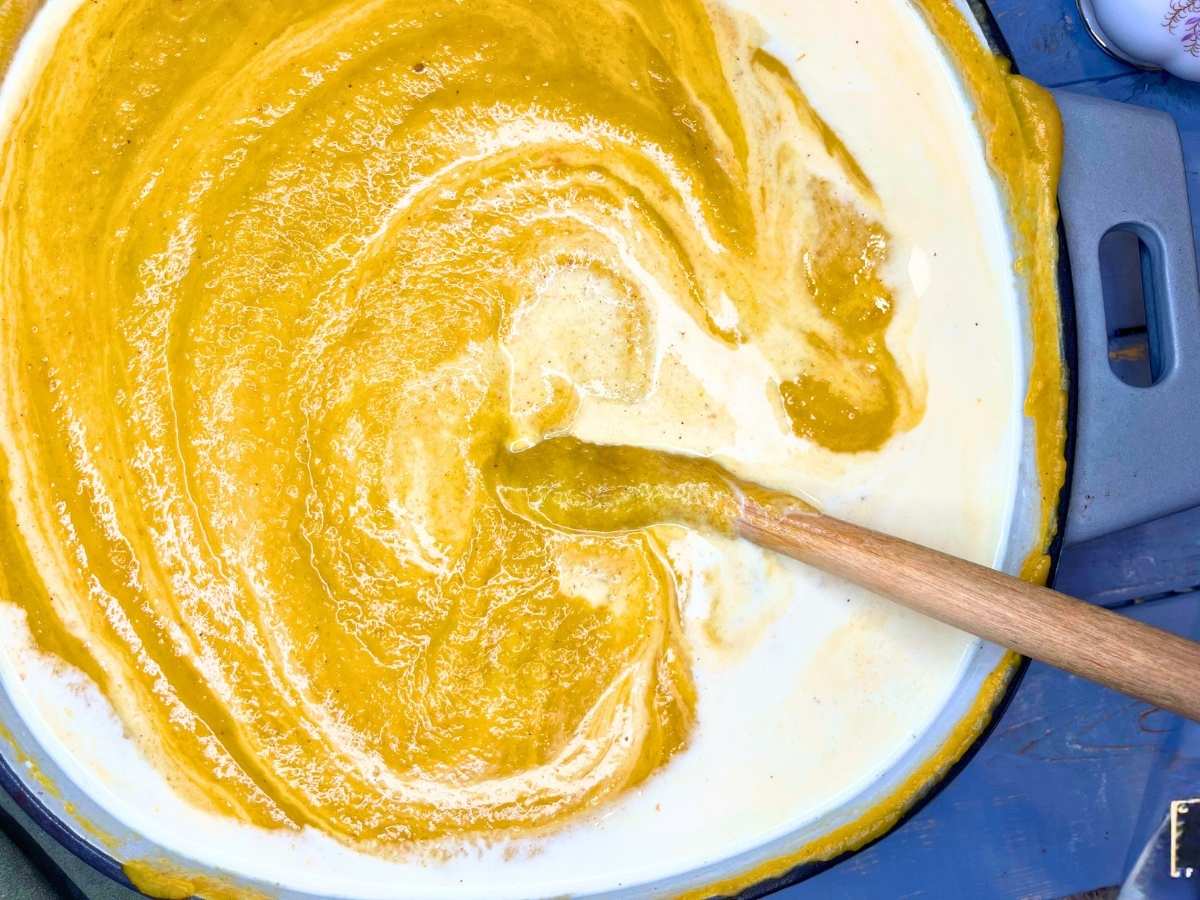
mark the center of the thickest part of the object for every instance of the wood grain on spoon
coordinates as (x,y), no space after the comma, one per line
(566,483)
(1086,640)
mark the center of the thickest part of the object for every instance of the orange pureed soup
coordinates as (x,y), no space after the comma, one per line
(280,282)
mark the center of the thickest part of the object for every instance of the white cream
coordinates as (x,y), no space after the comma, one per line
(819,687)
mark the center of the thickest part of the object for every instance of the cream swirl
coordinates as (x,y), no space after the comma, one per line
(279,280)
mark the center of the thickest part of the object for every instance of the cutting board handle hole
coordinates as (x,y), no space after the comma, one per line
(1139,345)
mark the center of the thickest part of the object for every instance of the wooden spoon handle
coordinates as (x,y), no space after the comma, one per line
(1136,659)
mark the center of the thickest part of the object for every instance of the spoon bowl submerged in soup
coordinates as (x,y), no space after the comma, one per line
(279,279)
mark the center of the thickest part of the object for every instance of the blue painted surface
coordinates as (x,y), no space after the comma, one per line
(1074,779)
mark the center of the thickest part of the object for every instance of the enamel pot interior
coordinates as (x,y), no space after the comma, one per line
(45,785)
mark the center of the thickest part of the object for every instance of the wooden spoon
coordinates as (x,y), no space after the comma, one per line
(1137,659)
(568,484)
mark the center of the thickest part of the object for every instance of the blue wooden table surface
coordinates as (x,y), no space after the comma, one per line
(1066,790)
